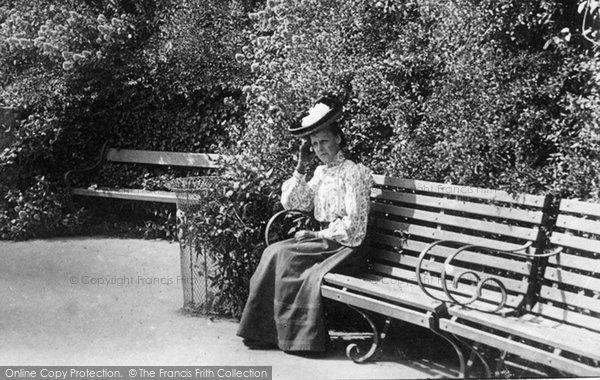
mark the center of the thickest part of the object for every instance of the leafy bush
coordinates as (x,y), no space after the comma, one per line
(465,92)
(42,49)
(36,213)
(233,223)
(574,169)
(120,72)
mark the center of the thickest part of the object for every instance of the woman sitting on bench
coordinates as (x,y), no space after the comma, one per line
(284,308)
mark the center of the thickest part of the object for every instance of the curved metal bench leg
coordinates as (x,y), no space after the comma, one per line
(486,366)
(461,356)
(500,362)
(353,351)
(475,352)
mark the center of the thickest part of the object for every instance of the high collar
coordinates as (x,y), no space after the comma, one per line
(337,160)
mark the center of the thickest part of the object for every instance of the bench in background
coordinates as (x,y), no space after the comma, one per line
(191,160)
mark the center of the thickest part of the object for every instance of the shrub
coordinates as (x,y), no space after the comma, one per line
(36,212)
(233,224)
(120,72)
(464,92)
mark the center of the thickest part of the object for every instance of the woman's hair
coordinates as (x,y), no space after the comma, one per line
(337,131)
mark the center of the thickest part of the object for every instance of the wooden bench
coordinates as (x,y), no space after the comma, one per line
(190,160)
(410,219)
(562,329)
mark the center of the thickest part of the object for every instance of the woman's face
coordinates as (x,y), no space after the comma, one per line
(325,144)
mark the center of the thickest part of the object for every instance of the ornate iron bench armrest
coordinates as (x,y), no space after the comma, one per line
(96,165)
(480,282)
(283,214)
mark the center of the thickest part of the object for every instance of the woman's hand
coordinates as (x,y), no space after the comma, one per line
(306,155)
(305,235)
(306,152)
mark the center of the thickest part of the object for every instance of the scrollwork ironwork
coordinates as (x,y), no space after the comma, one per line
(480,282)
(353,351)
(280,214)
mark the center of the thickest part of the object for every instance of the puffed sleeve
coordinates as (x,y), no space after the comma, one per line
(351,228)
(297,194)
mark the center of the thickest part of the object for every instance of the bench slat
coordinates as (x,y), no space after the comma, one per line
(579,280)
(132,194)
(458,221)
(377,306)
(488,210)
(567,316)
(488,298)
(437,234)
(530,326)
(521,267)
(580,207)
(411,261)
(461,191)
(578,224)
(484,302)
(570,298)
(577,242)
(388,288)
(573,261)
(525,351)
(202,160)
(432,266)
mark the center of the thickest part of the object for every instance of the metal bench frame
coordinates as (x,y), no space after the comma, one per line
(361,294)
(569,312)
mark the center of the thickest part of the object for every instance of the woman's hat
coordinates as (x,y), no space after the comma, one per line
(324,111)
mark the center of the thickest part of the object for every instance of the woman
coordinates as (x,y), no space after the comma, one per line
(284,308)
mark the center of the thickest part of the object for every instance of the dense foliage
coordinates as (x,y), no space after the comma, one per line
(466,92)
(490,93)
(118,72)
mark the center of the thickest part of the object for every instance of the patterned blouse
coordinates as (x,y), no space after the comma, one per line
(338,193)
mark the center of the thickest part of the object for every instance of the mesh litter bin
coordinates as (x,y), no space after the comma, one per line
(194,195)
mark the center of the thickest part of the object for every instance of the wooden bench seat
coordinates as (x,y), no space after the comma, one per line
(415,229)
(541,329)
(146,157)
(416,308)
(132,194)
(562,329)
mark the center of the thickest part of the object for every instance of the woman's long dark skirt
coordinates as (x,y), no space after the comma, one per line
(285,307)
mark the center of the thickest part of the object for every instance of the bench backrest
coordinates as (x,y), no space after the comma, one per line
(570,290)
(201,160)
(408,215)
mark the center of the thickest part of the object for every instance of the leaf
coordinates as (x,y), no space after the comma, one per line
(547,44)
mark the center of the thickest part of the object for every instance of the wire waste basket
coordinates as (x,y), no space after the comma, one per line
(194,195)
